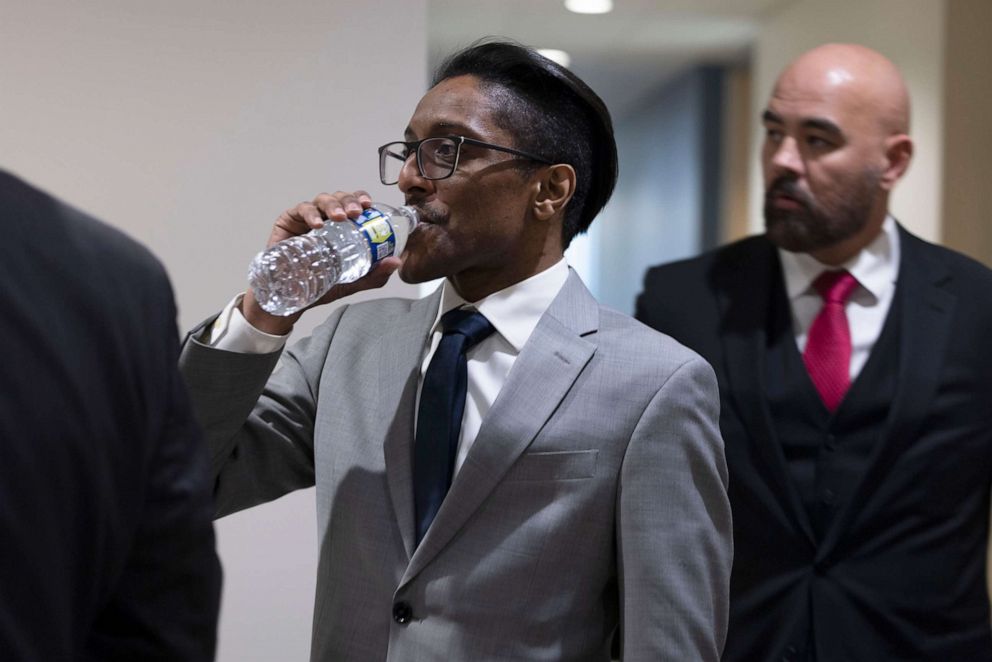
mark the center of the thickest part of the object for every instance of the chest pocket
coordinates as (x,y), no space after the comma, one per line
(554,465)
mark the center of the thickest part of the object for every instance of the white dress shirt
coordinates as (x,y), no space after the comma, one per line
(514,312)
(876,268)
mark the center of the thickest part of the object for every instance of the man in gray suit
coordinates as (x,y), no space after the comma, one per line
(583,487)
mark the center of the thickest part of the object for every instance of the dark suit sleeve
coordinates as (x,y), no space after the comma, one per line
(672,297)
(167,597)
(106,541)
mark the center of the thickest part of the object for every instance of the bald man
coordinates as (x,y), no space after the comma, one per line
(855,389)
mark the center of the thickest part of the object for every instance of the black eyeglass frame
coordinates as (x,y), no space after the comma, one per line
(413,147)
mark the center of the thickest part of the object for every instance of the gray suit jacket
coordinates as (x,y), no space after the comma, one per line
(594,495)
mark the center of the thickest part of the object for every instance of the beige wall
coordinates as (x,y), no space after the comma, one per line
(738,125)
(911,34)
(967,209)
(967,180)
(191,124)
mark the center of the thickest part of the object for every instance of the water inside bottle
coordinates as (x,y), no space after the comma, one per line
(303,268)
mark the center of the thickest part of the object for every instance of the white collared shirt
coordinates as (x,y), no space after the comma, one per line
(514,312)
(876,268)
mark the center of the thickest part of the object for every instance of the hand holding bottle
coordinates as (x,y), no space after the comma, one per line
(288,276)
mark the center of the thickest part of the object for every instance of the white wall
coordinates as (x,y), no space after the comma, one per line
(911,34)
(191,124)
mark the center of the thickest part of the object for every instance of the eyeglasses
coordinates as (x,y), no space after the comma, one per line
(437,158)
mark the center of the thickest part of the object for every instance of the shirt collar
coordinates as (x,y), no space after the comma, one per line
(514,311)
(875,267)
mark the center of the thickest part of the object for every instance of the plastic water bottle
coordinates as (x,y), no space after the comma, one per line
(292,274)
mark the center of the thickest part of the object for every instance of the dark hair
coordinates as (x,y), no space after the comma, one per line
(551,113)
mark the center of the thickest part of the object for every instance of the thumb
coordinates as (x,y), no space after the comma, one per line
(377,277)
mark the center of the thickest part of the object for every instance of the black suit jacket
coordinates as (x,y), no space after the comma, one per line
(900,572)
(106,541)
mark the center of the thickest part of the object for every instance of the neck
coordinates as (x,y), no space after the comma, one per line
(478,284)
(539,249)
(839,253)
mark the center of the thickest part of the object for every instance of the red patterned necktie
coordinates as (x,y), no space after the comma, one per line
(828,346)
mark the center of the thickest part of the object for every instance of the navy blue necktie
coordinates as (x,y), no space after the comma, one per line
(439,418)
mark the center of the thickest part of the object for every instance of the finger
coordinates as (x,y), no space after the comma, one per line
(304,214)
(350,204)
(338,206)
(300,219)
(385,268)
(363,198)
(377,277)
(331,206)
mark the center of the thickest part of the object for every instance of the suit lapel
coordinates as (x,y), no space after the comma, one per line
(401,350)
(543,373)
(926,308)
(749,283)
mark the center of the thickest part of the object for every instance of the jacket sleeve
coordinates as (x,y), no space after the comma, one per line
(258,413)
(674,534)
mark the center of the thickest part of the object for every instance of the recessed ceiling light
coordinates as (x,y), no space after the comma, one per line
(589,6)
(555,55)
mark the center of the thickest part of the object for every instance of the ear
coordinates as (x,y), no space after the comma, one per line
(898,153)
(552,191)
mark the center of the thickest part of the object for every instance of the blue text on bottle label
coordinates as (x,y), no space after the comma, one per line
(376,229)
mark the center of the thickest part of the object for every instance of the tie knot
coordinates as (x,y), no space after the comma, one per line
(835,286)
(469,323)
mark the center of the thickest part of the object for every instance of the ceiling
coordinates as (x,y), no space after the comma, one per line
(624,54)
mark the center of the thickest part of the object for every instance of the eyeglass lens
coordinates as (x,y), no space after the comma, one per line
(436,159)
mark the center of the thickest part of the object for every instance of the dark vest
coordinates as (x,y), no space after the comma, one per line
(825,453)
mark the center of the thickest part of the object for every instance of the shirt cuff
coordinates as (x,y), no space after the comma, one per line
(231,332)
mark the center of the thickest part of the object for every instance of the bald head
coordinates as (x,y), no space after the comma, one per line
(864,80)
(836,142)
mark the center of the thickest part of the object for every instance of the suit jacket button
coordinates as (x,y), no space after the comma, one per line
(402,613)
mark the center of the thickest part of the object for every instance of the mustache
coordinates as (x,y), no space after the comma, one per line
(427,214)
(787,186)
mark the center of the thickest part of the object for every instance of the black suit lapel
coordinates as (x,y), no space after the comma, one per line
(747,284)
(926,308)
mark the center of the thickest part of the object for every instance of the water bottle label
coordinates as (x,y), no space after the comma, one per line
(376,229)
